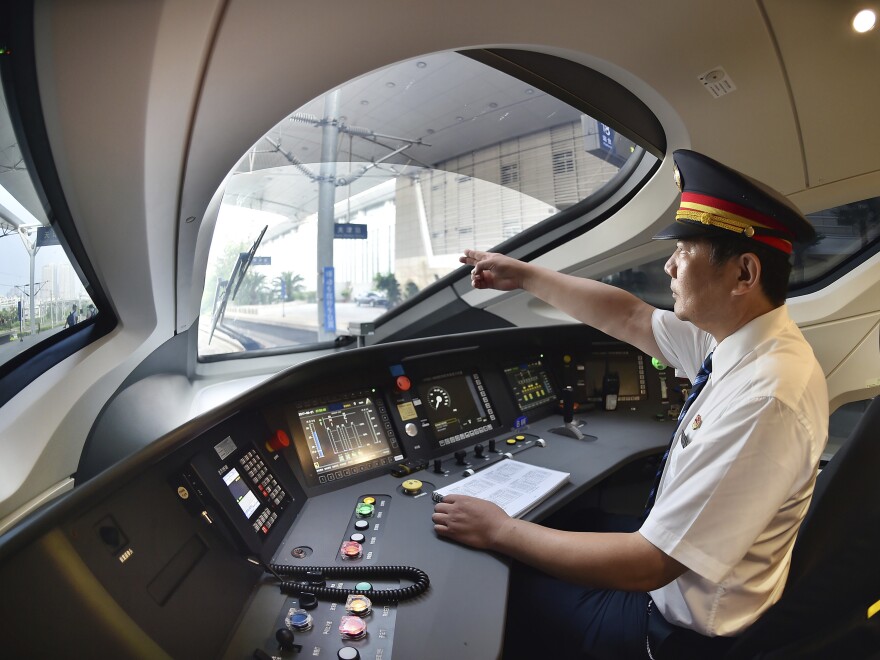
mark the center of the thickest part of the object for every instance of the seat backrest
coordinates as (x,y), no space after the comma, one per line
(835,570)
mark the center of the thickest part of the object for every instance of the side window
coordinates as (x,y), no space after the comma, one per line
(47,310)
(845,235)
(41,293)
(843,232)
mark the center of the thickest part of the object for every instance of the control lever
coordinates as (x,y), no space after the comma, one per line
(285,638)
(571,426)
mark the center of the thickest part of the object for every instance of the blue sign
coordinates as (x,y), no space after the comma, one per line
(47,236)
(329,299)
(349,230)
(261,261)
(606,137)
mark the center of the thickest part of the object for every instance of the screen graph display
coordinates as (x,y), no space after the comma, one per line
(346,437)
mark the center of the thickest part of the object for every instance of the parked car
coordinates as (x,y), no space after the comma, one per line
(372,299)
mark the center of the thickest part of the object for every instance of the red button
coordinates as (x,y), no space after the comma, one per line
(403,383)
(279,440)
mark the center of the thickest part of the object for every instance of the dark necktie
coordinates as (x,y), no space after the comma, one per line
(699,382)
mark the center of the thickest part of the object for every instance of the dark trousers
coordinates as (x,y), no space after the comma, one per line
(550,618)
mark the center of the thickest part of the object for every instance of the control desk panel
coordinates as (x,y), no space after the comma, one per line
(295,521)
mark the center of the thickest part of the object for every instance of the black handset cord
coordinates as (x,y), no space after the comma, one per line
(419,579)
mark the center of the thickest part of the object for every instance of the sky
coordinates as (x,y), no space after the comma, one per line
(15,262)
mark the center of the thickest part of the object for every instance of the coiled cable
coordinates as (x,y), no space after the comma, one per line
(418,577)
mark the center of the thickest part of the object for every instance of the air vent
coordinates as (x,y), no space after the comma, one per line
(717,82)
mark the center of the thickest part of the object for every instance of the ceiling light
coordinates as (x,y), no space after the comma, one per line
(864,20)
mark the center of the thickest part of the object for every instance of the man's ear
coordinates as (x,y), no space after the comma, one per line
(749,273)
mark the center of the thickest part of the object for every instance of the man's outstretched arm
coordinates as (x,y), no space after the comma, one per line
(607,308)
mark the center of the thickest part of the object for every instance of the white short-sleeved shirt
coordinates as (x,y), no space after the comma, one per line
(741,470)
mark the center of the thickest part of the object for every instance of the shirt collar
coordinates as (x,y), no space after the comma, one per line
(742,342)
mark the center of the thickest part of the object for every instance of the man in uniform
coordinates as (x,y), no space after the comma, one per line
(715,545)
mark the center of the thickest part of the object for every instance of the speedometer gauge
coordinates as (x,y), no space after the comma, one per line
(438,398)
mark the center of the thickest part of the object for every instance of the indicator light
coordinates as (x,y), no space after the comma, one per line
(299,620)
(352,627)
(351,550)
(358,605)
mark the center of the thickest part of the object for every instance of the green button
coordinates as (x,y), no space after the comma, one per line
(363,586)
(364,510)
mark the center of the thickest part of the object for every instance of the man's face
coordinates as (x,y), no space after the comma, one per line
(699,288)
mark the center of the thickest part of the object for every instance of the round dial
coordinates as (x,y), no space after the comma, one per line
(438,398)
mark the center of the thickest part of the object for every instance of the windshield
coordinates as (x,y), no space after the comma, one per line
(367,195)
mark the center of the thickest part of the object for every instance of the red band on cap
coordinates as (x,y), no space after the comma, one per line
(772,241)
(738,215)
(736,209)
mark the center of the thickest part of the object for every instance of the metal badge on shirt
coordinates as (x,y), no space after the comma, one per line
(697,423)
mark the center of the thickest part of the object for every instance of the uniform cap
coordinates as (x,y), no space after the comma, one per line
(717,200)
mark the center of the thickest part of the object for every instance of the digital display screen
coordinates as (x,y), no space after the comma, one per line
(240,491)
(457,406)
(621,370)
(530,384)
(347,437)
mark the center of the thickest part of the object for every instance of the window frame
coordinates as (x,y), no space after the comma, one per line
(18,75)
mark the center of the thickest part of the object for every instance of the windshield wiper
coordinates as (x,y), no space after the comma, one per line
(235,278)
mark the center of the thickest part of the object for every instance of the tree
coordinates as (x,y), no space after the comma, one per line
(388,283)
(253,290)
(411,289)
(220,272)
(287,284)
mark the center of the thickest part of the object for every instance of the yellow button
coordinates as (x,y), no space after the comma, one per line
(520,437)
(411,486)
(511,441)
(369,500)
